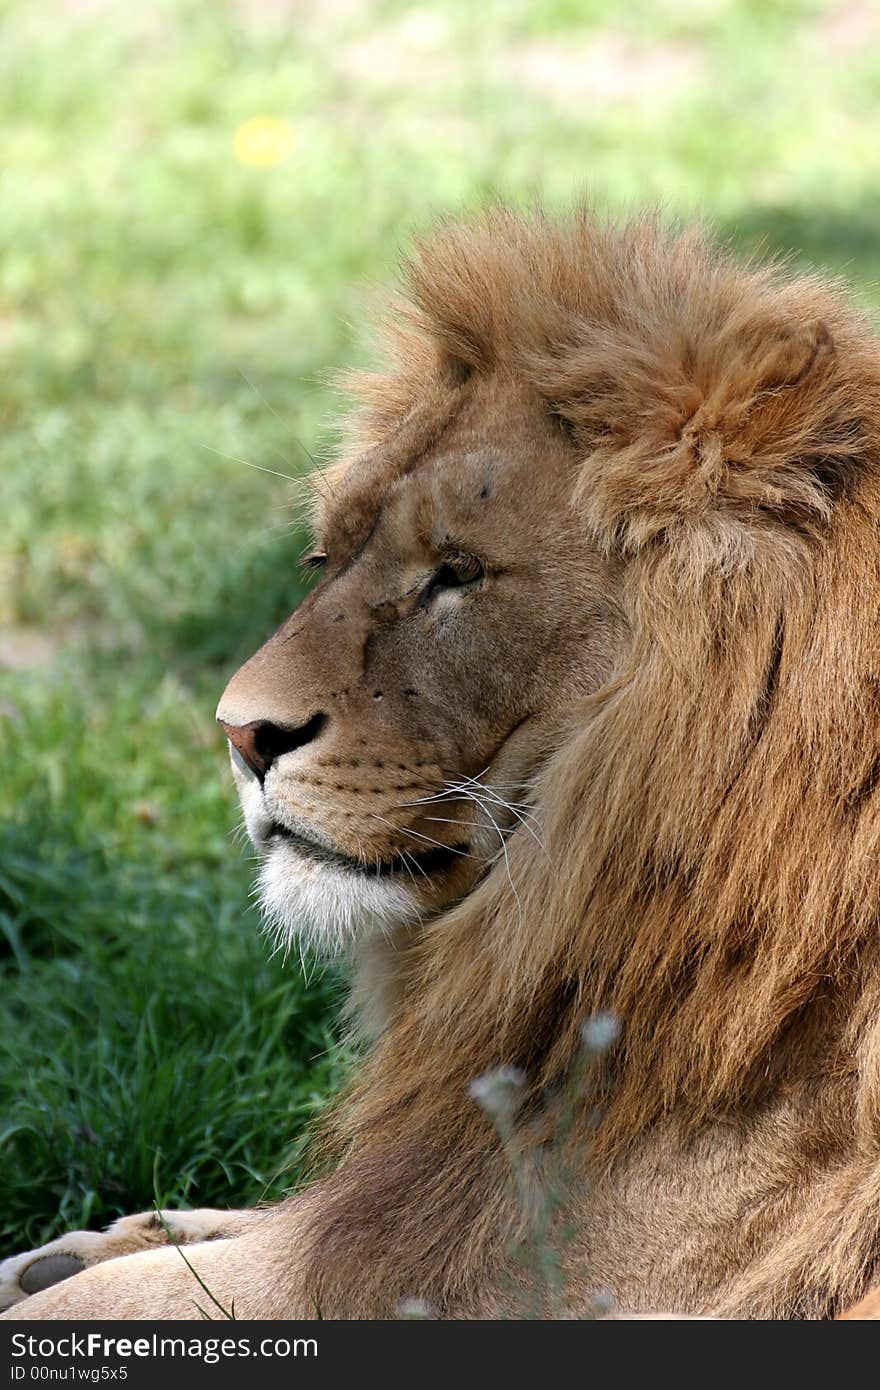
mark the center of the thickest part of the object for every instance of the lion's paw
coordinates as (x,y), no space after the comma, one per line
(21,1275)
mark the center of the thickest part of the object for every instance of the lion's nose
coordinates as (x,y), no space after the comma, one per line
(261,742)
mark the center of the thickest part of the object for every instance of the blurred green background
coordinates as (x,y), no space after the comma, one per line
(194,201)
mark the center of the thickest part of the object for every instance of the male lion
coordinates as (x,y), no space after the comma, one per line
(584,714)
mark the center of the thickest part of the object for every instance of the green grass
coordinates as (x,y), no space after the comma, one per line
(166,310)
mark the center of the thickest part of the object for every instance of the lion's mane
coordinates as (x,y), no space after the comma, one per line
(711,819)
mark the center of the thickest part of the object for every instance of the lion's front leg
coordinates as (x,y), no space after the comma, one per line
(30,1273)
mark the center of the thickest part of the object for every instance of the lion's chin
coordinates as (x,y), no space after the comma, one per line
(326,907)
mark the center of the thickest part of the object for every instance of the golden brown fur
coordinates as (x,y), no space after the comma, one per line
(710,812)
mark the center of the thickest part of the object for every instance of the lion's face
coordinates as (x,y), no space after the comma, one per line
(383,737)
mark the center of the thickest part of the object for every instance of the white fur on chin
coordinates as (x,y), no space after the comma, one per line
(327,907)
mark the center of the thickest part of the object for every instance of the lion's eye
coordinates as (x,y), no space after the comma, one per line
(457,572)
(316,561)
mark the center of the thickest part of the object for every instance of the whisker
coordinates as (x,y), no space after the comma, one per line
(444,820)
(408,869)
(525,818)
(506,858)
(522,813)
(270,407)
(451,789)
(404,830)
(427,801)
(273,530)
(465,788)
(410,859)
(448,798)
(286,427)
(233,458)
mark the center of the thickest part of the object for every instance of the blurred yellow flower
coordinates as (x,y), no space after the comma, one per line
(263,141)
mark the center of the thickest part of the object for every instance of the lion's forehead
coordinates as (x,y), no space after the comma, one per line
(481,472)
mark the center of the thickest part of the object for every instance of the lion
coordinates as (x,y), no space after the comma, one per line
(582,715)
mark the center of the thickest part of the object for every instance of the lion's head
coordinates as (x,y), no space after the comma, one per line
(571,410)
(584,711)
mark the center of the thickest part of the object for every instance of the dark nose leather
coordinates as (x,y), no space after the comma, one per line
(260,743)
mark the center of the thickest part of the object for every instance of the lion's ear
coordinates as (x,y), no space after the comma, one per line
(749,425)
